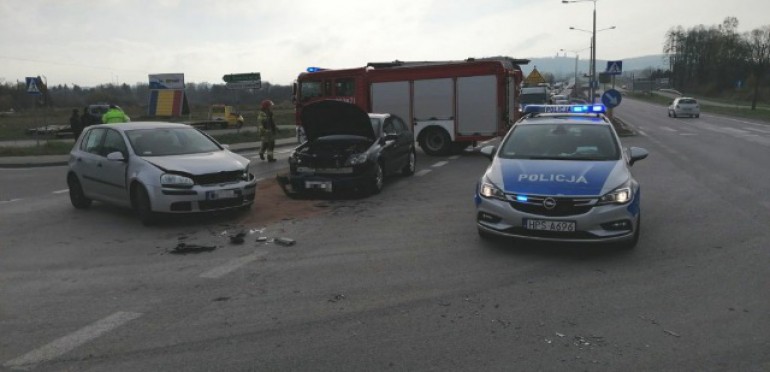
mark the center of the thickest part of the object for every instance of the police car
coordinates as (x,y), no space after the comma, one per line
(560,174)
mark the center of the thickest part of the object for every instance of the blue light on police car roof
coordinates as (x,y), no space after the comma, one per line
(576,109)
(314,69)
(521,198)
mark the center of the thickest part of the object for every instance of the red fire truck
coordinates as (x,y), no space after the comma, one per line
(449,105)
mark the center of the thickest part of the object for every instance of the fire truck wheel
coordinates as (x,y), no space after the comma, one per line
(436,141)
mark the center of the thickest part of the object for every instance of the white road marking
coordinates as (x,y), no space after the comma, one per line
(642,133)
(231,266)
(440,164)
(688,134)
(67,343)
(758,130)
(455,157)
(9,201)
(422,172)
(61,191)
(669,129)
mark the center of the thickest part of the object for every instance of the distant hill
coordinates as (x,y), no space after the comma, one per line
(565,66)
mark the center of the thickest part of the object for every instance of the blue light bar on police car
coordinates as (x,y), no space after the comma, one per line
(575,109)
(315,69)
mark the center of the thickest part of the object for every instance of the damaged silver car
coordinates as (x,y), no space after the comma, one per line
(156,167)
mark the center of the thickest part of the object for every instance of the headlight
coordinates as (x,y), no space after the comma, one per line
(489,190)
(621,195)
(175,180)
(245,175)
(356,159)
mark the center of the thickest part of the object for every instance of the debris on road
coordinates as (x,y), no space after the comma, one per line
(286,242)
(184,248)
(672,333)
(261,239)
(337,298)
(559,334)
(238,238)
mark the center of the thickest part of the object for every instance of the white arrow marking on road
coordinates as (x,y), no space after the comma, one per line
(422,172)
(61,191)
(68,343)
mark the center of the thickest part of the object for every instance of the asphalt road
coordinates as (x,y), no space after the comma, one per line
(401,281)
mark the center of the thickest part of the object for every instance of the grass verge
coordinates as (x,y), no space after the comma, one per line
(63,148)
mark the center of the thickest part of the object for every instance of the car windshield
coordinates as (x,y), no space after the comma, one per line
(561,142)
(170,141)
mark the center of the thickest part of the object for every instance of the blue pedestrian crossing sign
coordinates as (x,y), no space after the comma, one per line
(611,98)
(33,86)
(614,67)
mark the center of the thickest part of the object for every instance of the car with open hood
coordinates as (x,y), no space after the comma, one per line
(156,167)
(561,176)
(348,149)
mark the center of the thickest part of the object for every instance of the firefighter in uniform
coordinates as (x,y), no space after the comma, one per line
(267,130)
(115,115)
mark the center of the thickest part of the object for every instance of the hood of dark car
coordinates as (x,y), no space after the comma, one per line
(197,164)
(327,118)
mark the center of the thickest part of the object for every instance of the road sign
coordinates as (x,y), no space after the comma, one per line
(244,85)
(237,78)
(33,86)
(611,98)
(534,77)
(614,67)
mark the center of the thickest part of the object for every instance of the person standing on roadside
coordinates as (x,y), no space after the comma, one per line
(115,115)
(75,124)
(267,130)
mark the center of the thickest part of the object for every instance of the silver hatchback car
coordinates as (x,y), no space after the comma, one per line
(684,106)
(157,167)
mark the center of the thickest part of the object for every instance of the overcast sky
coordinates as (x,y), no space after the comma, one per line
(90,42)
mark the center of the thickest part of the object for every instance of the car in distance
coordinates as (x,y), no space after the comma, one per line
(684,106)
(156,167)
(560,99)
(346,148)
(561,176)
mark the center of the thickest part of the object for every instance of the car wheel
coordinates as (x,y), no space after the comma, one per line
(669,113)
(143,206)
(436,142)
(77,197)
(410,166)
(376,183)
(673,114)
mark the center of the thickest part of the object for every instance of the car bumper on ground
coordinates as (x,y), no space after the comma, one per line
(201,198)
(607,223)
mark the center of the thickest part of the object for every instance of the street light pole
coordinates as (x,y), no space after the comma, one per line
(593,59)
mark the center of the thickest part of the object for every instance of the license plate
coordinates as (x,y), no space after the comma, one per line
(546,225)
(322,185)
(222,194)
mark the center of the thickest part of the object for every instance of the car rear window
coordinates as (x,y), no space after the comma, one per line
(688,101)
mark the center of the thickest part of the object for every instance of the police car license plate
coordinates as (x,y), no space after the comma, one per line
(546,225)
(222,194)
(323,185)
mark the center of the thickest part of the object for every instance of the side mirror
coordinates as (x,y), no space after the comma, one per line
(635,154)
(489,151)
(116,156)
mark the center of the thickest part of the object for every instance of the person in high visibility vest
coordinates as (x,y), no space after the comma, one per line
(267,130)
(115,115)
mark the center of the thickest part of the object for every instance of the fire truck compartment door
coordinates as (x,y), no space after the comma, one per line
(392,98)
(477,105)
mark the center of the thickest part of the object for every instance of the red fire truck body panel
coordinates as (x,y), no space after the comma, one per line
(448,105)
